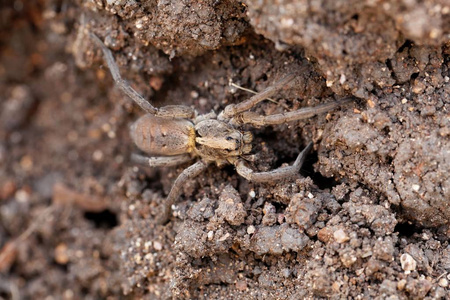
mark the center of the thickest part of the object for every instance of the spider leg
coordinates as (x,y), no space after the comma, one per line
(187,174)
(233,109)
(300,114)
(274,175)
(121,83)
(161,161)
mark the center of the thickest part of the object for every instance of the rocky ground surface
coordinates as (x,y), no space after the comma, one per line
(367,218)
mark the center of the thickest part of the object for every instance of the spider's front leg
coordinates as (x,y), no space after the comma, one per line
(121,83)
(189,173)
(169,111)
(274,175)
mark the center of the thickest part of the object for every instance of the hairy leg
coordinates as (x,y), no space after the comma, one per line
(189,173)
(303,113)
(274,175)
(121,83)
(161,161)
(169,111)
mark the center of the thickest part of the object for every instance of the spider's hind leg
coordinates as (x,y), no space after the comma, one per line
(160,161)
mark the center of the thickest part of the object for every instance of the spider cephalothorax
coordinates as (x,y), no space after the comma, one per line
(217,140)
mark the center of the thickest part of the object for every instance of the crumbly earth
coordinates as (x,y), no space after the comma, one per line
(367,218)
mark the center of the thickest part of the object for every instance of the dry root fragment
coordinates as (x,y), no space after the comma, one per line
(65,196)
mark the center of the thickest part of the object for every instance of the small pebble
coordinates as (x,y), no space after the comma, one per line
(22,196)
(138,258)
(241,285)
(324,234)
(443,282)
(194,94)
(147,245)
(408,263)
(340,236)
(251,229)
(156,82)
(8,189)
(224,237)
(157,245)
(68,294)
(97,155)
(26,162)
(348,258)
(203,101)
(401,284)
(61,256)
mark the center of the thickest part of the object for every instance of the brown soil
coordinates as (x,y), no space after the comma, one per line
(368,218)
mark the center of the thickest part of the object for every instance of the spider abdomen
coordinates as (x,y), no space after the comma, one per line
(163,136)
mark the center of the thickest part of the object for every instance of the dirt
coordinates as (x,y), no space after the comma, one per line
(367,218)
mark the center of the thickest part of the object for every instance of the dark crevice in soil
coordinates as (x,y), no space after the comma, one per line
(406,229)
(308,170)
(414,76)
(229,169)
(62,267)
(104,219)
(388,63)
(280,207)
(151,183)
(406,44)
(160,97)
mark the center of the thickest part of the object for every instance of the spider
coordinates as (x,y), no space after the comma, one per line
(176,134)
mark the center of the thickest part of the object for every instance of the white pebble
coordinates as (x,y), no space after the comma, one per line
(224,237)
(408,263)
(251,229)
(194,94)
(286,22)
(22,196)
(443,282)
(203,101)
(157,245)
(97,155)
(147,245)
(340,236)
(138,24)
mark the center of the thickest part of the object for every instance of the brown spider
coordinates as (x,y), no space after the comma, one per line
(176,134)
